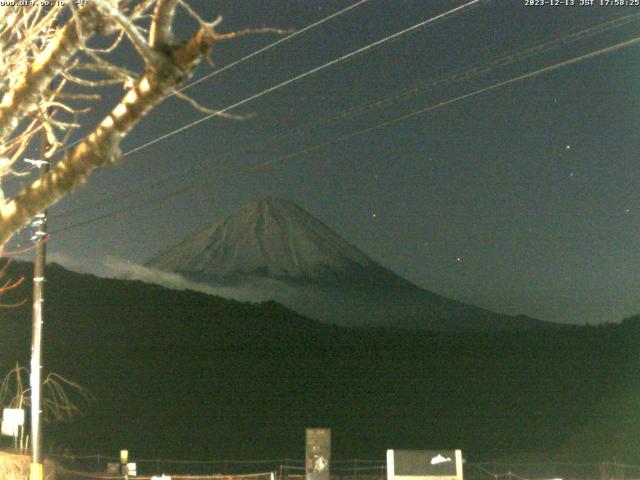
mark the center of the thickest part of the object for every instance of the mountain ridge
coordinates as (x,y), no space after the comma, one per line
(278,250)
(286,241)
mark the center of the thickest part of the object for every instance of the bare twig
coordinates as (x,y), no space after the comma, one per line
(101,147)
(35,94)
(161,34)
(131,30)
(60,396)
(25,93)
(210,111)
(250,31)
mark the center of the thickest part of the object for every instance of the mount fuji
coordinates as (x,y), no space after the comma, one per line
(273,249)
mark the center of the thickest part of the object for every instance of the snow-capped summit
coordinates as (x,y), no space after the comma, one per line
(272,249)
(269,237)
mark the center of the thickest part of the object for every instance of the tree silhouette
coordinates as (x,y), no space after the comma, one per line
(61,397)
(53,61)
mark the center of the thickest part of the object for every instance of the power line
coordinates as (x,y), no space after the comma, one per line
(271,45)
(454,11)
(263,165)
(487,66)
(402,95)
(251,55)
(444,103)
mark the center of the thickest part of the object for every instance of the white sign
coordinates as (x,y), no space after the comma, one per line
(132,469)
(12,419)
(424,465)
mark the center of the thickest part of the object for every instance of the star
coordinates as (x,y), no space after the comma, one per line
(458,259)
(568,147)
(373,215)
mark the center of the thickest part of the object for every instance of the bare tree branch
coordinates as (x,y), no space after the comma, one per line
(42,70)
(35,80)
(136,38)
(209,111)
(60,396)
(101,147)
(161,34)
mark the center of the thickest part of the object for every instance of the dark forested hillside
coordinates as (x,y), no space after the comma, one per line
(187,375)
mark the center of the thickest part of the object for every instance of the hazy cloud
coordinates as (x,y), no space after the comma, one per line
(124,269)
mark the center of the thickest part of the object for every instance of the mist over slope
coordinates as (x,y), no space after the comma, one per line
(277,251)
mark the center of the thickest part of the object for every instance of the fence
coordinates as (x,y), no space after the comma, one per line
(93,468)
(551,471)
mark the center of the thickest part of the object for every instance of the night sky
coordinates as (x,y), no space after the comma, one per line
(522,199)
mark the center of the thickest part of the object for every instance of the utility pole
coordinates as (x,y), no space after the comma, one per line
(40,232)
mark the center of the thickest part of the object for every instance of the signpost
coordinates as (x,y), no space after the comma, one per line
(12,420)
(318,453)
